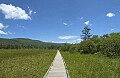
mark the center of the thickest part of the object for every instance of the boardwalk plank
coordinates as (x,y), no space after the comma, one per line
(57,69)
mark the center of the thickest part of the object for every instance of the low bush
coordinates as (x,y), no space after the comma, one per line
(110,47)
(88,47)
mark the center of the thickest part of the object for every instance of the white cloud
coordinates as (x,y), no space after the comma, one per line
(112,29)
(5,33)
(30,11)
(57,42)
(79,39)
(35,12)
(8,32)
(110,14)
(12,12)
(2,26)
(6,27)
(2,32)
(87,22)
(54,41)
(28,7)
(68,37)
(65,23)
(81,18)
(90,24)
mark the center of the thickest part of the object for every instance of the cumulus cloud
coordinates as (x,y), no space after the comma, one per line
(68,37)
(2,32)
(12,12)
(3,26)
(87,22)
(65,23)
(110,15)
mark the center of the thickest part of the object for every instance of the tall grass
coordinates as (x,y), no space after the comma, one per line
(91,66)
(25,63)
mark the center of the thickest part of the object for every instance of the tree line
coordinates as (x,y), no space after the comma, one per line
(23,43)
(107,45)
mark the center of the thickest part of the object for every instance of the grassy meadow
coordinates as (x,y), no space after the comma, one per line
(25,63)
(91,66)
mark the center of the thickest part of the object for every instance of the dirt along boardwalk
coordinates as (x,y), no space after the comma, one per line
(57,68)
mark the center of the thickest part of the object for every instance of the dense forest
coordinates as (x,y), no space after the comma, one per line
(107,45)
(23,43)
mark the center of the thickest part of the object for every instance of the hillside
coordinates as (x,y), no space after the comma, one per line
(20,43)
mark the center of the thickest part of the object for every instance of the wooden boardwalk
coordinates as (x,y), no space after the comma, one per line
(57,68)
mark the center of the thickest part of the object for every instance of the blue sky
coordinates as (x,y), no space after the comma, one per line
(57,20)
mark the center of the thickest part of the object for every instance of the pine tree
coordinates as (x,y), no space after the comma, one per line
(86,33)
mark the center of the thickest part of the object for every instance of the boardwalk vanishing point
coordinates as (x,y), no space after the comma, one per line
(57,68)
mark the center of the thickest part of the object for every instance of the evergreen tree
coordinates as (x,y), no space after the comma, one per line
(86,33)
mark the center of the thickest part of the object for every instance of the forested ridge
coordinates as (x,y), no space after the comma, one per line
(24,43)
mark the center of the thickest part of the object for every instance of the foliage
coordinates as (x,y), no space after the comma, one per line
(72,49)
(86,33)
(23,43)
(25,63)
(108,45)
(91,65)
(66,47)
(88,47)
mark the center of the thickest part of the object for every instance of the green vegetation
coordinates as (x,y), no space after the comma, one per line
(108,45)
(96,57)
(86,33)
(91,65)
(25,63)
(23,43)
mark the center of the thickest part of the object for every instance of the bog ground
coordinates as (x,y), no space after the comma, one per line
(35,63)
(91,66)
(25,63)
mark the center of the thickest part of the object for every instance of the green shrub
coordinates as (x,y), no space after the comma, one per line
(110,47)
(88,47)
(65,47)
(72,49)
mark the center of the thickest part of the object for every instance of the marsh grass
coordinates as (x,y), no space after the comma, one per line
(91,66)
(25,63)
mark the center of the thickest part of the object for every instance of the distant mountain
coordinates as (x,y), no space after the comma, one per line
(24,43)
